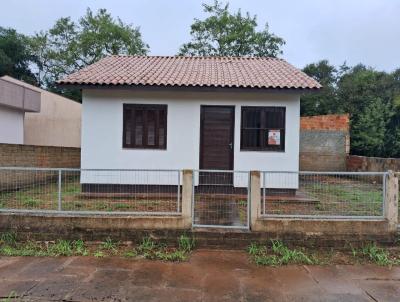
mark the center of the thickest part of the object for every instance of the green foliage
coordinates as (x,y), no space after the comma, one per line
(69,46)
(376,254)
(99,254)
(9,238)
(80,248)
(278,254)
(227,34)
(323,102)
(15,56)
(109,244)
(131,254)
(29,248)
(10,247)
(11,297)
(61,248)
(185,243)
(149,249)
(372,98)
(30,202)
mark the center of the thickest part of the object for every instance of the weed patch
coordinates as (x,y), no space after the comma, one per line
(278,254)
(11,297)
(109,245)
(149,249)
(9,238)
(372,253)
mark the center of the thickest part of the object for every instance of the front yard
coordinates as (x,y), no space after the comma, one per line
(330,196)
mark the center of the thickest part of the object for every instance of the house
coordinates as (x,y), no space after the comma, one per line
(33,116)
(212,113)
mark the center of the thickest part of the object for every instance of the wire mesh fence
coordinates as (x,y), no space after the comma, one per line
(221,199)
(330,194)
(103,191)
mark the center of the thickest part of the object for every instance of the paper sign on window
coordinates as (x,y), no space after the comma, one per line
(274,137)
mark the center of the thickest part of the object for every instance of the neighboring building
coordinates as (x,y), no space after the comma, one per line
(219,113)
(33,116)
(15,101)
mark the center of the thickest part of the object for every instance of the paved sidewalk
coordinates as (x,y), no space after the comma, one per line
(208,276)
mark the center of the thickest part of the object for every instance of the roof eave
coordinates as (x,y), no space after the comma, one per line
(188,87)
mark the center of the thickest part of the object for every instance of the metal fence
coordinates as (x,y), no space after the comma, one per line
(221,199)
(153,192)
(323,194)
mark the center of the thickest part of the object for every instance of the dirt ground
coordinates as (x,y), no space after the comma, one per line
(209,275)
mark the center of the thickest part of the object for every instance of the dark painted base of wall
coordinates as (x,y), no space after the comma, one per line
(206,239)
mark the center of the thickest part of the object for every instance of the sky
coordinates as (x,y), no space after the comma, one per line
(351,31)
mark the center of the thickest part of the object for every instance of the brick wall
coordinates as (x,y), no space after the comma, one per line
(34,156)
(331,122)
(324,142)
(357,163)
(39,156)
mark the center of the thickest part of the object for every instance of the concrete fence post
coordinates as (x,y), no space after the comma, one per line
(187,193)
(255,198)
(392,200)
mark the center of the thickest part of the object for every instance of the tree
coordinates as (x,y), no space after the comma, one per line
(69,46)
(226,34)
(368,129)
(367,95)
(15,57)
(393,128)
(324,101)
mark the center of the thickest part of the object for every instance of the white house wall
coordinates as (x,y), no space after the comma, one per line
(11,126)
(102,124)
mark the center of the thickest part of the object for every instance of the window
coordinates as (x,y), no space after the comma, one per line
(145,126)
(263,129)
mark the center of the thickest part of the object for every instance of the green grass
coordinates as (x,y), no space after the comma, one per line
(44,196)
(99,254)
(10,247)
(109,245)
(349,199)
(149,249)
(61,248)
(121,206)
(80,248)
(376,255)
(185,243)
(11,297)
(278,254)
(9,238)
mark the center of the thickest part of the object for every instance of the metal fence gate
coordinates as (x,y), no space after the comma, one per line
(221,199)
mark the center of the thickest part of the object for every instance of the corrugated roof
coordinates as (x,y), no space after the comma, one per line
(240,72)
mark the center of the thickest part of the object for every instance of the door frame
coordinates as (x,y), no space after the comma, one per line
(232,134)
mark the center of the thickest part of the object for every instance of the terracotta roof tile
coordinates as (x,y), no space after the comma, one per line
(244,72)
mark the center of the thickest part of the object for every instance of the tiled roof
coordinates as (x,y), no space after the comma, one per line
(243,72)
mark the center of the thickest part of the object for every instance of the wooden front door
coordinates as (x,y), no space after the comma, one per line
(216,139)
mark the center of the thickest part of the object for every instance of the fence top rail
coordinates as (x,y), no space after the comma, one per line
(325,173)
(89,170)
(195,170)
